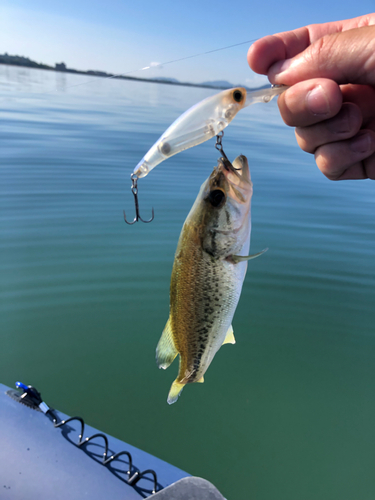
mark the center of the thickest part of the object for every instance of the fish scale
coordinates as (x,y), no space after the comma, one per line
(206,315)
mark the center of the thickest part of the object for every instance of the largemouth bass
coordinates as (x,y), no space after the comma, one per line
(208,272)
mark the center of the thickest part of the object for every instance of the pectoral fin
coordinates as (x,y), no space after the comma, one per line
(166,350)
(229,337)
(240,258)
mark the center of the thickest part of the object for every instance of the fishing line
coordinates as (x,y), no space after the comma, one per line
(161,64)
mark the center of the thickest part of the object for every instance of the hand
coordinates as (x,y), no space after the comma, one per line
(331,102)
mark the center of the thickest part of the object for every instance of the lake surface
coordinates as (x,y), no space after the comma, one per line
(288,413)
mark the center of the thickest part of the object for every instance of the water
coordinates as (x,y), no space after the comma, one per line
(288,412)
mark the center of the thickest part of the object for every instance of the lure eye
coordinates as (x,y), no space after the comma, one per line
(237,95)
(216,198)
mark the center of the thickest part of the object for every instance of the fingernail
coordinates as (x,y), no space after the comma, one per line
(277,71)
(317,101)
(280,67)
(361,143)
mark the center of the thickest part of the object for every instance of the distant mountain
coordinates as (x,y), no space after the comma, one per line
(224,84)
(220,84)
(164,79)
(265,86)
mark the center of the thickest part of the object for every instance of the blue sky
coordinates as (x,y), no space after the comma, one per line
(121,35)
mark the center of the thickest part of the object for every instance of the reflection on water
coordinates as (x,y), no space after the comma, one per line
(61,81)
(286,413)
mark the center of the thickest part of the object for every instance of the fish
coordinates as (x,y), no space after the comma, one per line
(208,272)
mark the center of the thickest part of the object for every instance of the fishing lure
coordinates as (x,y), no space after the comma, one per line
(202,122)
(198,124)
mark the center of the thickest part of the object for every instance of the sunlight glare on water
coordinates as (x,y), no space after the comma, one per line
(285,414)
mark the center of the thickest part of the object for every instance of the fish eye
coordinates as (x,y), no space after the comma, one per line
(237,95)
(216,197)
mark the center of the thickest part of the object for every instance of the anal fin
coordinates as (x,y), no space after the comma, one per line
(229,337)
(166,350)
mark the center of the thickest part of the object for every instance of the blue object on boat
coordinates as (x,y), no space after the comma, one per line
(41,462)
(20,385)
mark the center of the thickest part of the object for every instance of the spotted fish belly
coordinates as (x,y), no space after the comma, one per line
(204,295)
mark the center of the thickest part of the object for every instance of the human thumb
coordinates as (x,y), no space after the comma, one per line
(345,57)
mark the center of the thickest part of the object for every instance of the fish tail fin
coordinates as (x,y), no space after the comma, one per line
(174,392)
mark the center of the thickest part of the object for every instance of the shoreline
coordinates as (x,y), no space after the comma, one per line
(25,62)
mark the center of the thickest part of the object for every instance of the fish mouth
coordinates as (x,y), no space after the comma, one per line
(233,179)
(219,175)
(239,168)
(227,165)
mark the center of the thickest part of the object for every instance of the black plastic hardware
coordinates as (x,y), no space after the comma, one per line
(32,398)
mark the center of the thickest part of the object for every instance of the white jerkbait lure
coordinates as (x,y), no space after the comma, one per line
(201,122)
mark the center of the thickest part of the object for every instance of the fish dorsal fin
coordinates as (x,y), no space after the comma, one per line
(229,337)
(166,350)
(240,258)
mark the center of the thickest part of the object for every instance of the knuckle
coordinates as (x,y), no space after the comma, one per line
(325,164)
(285,112)
(304,141)
(317,53)
(287,119)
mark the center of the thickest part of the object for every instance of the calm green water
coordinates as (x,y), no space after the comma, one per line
(287,413)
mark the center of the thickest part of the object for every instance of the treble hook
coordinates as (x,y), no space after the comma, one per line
(134,189)
(219,147)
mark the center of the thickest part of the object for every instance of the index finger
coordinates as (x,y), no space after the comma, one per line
(266,51)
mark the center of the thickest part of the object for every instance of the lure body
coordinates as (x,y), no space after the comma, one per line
(201,122)
(208,273)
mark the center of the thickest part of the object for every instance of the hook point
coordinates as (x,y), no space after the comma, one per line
(147,221)
(130,223)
